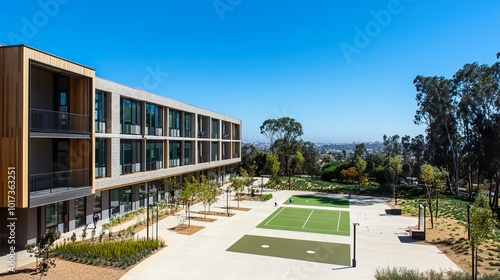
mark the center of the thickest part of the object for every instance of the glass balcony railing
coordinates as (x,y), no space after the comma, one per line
(55,121)
(203,159)
(100,126)
(59,181)
(154,165)
(158,131)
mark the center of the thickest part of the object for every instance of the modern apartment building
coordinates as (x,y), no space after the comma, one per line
(72,144)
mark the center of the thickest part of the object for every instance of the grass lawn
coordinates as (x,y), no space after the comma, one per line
(316,200)
(313,251)
(309,220)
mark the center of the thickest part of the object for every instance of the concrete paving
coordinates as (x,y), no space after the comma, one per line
(381,242)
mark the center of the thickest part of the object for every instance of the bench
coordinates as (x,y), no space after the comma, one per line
(416,233)
(395,210)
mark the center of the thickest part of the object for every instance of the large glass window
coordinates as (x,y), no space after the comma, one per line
(98,202)
(130,116)
(100,158)
(80,212)
(174,123)
(215,129)
(187,125)
(127,199)
(130,156)
(154,155)
(51,216)
(174,153)
(100,111)
(215,151)
(154,119)
(115,202)
(187,153)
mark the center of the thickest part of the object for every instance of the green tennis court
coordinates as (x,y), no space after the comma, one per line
(309,220)
(313,251)
(316,200)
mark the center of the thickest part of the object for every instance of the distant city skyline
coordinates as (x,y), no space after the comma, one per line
(343,69)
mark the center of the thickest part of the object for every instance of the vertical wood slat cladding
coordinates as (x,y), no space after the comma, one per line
(15,65)
(13,132)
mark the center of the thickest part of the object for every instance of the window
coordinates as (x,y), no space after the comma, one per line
(154,119)
(187,125)
(100,112)
(130,156)
(100,158)
(98,202)
(80,212)
(215,151)
(215,129)
(51,216)
(174,153)
(114,202)
(130,116)
(174,123)
(142,195)
(127,199)
(154,155)
(187,153)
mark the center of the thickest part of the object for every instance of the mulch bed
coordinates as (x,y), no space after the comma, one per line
(187,230)
(215,213)
(202,219)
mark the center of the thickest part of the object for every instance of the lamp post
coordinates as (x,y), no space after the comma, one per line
(148,192)
(354,247)
(157,222)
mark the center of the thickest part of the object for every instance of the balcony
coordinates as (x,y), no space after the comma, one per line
(202,159)
(100,126)
(215,135)
(187,161)
(157,131)
(236,155)
(56,121)
(174,132)
(154,165)
(226,136)
(47,183)
(226,156)
(130,129)
(202,134)
(100,172)
(174,162)
(214,157)
(130,168)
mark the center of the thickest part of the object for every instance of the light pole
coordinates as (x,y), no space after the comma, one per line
(157,222)
(148,192)
(354,247)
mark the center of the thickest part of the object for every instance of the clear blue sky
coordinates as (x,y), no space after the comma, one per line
(261,59)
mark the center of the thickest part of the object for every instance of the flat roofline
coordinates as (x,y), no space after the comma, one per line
(161,96)
(46,53)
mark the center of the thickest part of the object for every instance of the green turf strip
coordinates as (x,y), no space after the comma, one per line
(316,200)
(309,220)
(321,252)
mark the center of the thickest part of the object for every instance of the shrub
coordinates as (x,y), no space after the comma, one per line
(266,197)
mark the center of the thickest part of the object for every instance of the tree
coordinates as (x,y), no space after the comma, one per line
(360,165)
(394,167)
(43,250)
(238,185)
(437,108)
(360,150)
(296,162)
(189,192)
(310,165)
(209,192)
(350,174)
(272,166)
(392,146)
(287,133)
(481,226)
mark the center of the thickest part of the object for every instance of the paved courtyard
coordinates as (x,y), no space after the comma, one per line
(381,242)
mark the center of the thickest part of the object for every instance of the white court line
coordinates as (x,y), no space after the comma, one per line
(275,215)
(338,224)
(308,218)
